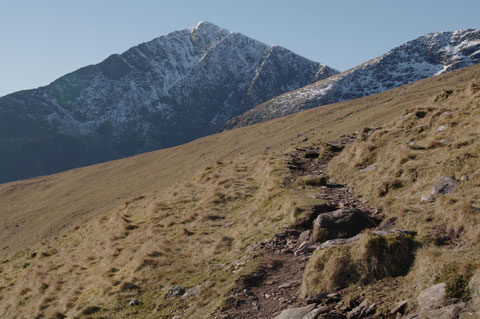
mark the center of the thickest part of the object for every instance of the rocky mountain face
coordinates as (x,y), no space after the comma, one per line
(426,56)
(158,94)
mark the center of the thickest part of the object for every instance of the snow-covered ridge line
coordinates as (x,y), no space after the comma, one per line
(426,56)
(160,93)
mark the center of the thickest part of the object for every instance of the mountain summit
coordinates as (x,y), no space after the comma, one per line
(158,94)
(426,56)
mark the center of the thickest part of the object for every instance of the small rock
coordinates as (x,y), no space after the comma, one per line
(388,224)
(304,248)
(339,241)
(195,291)
(295,313)
(332,315)
(448,312)
(175,291)
(371,310)
(317,298)
(369,168)
(359,311)
(442,128)
(434,297)
(305,236)
(315,312)
(267,296)
(287,285)
(133,302)
(445,185)
(399,307)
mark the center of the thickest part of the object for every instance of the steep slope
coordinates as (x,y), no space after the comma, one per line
(429,55)
(423,170)
(189,235)
(158,94)
(64,200)
(205,232)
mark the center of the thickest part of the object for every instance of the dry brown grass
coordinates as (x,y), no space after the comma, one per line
(440,137)
(100,235)
(50,206)
(189,234)
(371,258)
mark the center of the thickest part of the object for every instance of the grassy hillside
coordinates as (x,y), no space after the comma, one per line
(396,166)
(84,242)
(192,234)
(46,206)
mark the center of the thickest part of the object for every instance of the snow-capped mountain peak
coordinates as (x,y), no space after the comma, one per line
(428,55)
(160,93)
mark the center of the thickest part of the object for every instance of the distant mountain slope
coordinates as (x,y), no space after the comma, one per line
(429,55)
(162,93)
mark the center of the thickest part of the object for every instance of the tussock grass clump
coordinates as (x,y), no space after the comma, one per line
(314,181)
(457,277)
(373,257)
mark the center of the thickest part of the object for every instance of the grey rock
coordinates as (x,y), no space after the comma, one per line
(193,292)
(399,307)
(315,312)
(332,315)
(317,298)
(442,128)
(369,168)
(175,291)
(133,302)
(371,309)
(296,313)
(448,312)
(434,297)
(305,236)
(445,185)
(388,224)
(304,248)
(340,241)
(344,222)
(359,311)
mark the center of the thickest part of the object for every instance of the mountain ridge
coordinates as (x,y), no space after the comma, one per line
(160,93)
(432,54)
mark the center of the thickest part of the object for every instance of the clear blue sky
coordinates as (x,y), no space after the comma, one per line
(42,40)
